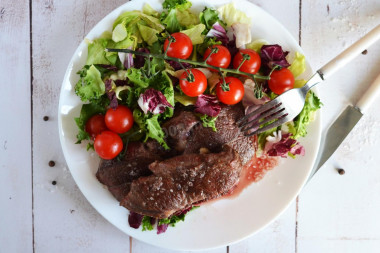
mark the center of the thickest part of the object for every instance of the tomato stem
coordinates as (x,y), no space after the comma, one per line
(214,50)
(258,91)
(195,63)
(171,39)
(273,69)
(225,86)
(190,76)
(246,57)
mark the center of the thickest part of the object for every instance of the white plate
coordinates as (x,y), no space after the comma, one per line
(214,225)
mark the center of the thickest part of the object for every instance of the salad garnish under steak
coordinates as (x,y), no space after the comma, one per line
(162,93)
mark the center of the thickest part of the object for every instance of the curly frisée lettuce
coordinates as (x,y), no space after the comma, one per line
(299,126)
(90,85)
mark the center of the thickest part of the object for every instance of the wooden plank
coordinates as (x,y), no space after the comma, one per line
(64,220)
(15,138)
(341,213)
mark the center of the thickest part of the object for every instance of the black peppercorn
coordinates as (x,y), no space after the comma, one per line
(46,118)
(54,182)
(341,171)
(51,163)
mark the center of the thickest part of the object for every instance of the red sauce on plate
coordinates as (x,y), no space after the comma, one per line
(252,172)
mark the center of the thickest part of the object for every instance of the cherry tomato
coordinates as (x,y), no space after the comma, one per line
(197,86)
(234,95)
(119,120)
(95,125)
(181,48)
(249,66)
(108,145)
(281,81)
(221,58)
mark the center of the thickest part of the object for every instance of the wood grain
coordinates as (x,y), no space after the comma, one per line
(15,138)
(64,220)
(341,213)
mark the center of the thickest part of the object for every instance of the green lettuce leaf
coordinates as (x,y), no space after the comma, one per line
(153,22)
(148,10)
(298,66)
(232,15)
(90,86)
(86,112)
(119,33)
(149,124)
(148,34)
(96,52)
(126,18)
(186,18)
(208,17)
(137,77)
(185,100)
(262,139)
(208,121)
(299,83)
(173,220)
(170,21)
(146,224)
(256,45)
(154,131)
(178,16)
(208,42)
(195,34)
(163,83)
(176,4)
(298,126)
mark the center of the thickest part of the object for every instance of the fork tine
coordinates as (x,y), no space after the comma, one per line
(283,119)
(261,109)
(261,116)
(257,123)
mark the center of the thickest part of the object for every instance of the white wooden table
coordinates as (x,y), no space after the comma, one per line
(334,213)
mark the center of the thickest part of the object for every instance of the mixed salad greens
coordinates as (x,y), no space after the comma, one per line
(177,57)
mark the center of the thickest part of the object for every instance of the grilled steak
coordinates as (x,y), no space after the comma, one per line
(156,182)
(118,175)
(180,181)
(228,133)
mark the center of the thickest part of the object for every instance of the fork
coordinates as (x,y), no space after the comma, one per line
(289,104)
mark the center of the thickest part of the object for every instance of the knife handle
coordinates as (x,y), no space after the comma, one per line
(369,96)
(347,55)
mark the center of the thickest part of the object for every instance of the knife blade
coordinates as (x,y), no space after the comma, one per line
(343,125)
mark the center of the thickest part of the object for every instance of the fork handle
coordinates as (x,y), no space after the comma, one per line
(369,96)
(347,55)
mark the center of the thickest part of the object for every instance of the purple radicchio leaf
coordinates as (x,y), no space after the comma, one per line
(208,104)
(108,67)
(153,101)
(176,66)
(139,59)
(162,228)
(126,59)
(122,83)
(217,31)
(284,146)
(272,55)
(135,219)
(231,46)
(111,94)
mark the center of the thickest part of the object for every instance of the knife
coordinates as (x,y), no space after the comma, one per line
(343,125)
